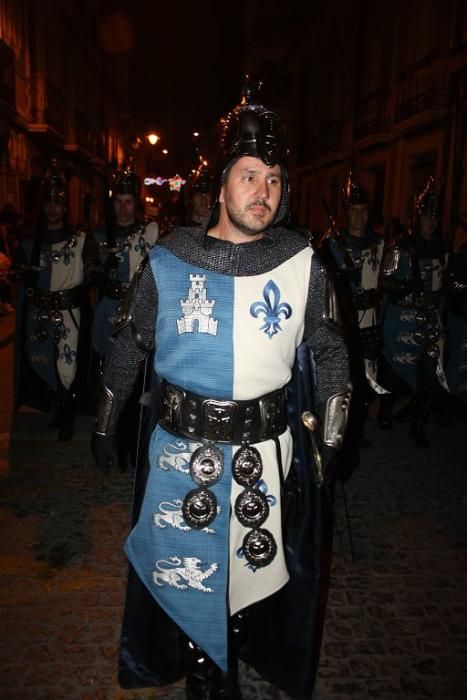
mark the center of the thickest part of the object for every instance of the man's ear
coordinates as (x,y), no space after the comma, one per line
(221,195)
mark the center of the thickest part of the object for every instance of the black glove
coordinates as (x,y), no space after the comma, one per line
(330,463)
(104,451)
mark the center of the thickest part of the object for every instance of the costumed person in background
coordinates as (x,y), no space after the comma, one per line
(456,324)
(224,550)
(53,340)
(123,243)
(199,205)
(412,279)
(357,254)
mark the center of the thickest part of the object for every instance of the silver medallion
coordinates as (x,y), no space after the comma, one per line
(247,466)
(41,334)
(56,318)
(251,508)
(206,465)
(199,508)
(419,336)
(259,547)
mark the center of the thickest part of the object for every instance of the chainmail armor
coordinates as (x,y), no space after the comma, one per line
(193,246)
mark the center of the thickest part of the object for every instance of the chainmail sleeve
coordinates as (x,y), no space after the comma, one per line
(136,338)
(326,342)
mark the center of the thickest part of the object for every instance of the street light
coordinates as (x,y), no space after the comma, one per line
(153,139)
(165,151)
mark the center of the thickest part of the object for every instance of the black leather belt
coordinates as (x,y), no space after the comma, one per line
(420,299)
(201,418)
(55,301)
(364,299)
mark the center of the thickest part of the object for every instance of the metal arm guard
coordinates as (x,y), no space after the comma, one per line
(332,314)
(391,260)
(124,313)
(334,418)
(108,412)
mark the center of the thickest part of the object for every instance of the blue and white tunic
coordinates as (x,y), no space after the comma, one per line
(359,260)
(412,321)
(456,327)
(230,334)
(52,339)
(132,244)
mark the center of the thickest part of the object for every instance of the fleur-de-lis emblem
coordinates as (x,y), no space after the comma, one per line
(142,246)
(68,354)
(271,310)
(262,486)
(67,256)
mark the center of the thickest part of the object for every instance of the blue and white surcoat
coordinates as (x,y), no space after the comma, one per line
(223,337)
(131,251)
(411,323)
(52,338)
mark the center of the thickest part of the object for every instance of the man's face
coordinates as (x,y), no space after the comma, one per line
(251,195)
(428,225)
(54,214)
(200,203)
(125,209)
(357,219)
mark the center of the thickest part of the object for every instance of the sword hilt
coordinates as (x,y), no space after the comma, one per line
(311,423)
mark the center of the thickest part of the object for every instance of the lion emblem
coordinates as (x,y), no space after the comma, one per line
(405,358)
(406,338)
(170,513)
(179,458)
(183,573)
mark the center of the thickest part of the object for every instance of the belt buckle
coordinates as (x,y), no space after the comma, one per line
(218,420)
(271,414)
(171,407)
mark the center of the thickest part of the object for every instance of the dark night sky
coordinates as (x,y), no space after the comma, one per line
(185,67)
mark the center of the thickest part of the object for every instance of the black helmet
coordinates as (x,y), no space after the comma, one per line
(55,187)
(201,179)
(428,203)
(126,181)
(251,129)
(353,193)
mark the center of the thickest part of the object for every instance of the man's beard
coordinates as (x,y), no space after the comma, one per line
(238,219)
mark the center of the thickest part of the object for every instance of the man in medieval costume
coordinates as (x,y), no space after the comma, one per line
(226,539)
(357,252)
(53,346)
(413,275)
(456,324)
(123,243)
(199,196)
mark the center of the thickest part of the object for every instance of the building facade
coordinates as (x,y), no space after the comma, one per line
(63,96)
(376,88)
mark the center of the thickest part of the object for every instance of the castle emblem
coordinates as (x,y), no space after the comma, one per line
(197,310)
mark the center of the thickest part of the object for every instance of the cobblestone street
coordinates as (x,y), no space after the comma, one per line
(396,624)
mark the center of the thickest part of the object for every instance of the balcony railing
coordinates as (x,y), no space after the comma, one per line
(372,115)
(422,86)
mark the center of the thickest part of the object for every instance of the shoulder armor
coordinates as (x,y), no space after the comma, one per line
(391,260)
(124,312)
(335,418)
(332,314)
